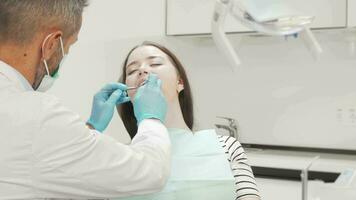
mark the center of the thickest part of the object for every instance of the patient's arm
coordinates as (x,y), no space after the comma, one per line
(246,187)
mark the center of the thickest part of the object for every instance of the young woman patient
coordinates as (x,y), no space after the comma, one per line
(196,155)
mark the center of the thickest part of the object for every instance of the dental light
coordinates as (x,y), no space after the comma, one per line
(265,16)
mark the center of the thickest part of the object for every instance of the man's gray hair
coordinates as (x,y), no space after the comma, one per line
(20,20)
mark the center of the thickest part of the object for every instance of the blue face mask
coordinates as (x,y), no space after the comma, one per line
(48,80)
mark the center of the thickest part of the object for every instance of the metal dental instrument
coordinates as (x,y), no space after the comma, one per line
(130,88)
(136,87)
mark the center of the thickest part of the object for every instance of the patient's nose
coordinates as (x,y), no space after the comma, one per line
(143,73)
(144,70)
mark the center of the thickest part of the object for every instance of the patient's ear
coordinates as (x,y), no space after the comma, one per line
(180,85)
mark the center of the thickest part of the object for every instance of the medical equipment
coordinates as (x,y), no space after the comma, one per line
(136,87)
(267,17)
(232,127)
(304,177)
(130,88)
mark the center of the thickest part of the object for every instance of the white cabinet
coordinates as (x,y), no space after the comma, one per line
(328,13)
(351,19)
(194,16)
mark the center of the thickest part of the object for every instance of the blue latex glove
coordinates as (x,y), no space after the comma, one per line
(104,104)
(149,101)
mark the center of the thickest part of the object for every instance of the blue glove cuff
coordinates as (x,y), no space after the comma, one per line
(94,126)
(150,116)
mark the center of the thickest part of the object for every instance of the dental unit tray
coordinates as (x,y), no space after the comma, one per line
(268,17)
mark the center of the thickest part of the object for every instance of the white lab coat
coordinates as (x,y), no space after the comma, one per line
(46,151)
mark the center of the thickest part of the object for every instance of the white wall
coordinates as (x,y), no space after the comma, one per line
(276,82)
(351,13)
(119,19)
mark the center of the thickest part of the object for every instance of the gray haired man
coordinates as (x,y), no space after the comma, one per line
(47,151)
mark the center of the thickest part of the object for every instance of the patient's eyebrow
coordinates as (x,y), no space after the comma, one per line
(153,57)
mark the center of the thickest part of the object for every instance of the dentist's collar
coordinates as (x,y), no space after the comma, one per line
(15,76)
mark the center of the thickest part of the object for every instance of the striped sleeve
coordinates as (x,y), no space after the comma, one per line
(244,179)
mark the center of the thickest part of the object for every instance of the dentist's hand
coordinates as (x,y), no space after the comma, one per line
(149,101)
(104,103)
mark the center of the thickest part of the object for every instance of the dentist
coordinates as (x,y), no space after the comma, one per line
(47,151)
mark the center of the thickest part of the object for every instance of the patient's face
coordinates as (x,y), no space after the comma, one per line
(149,59)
